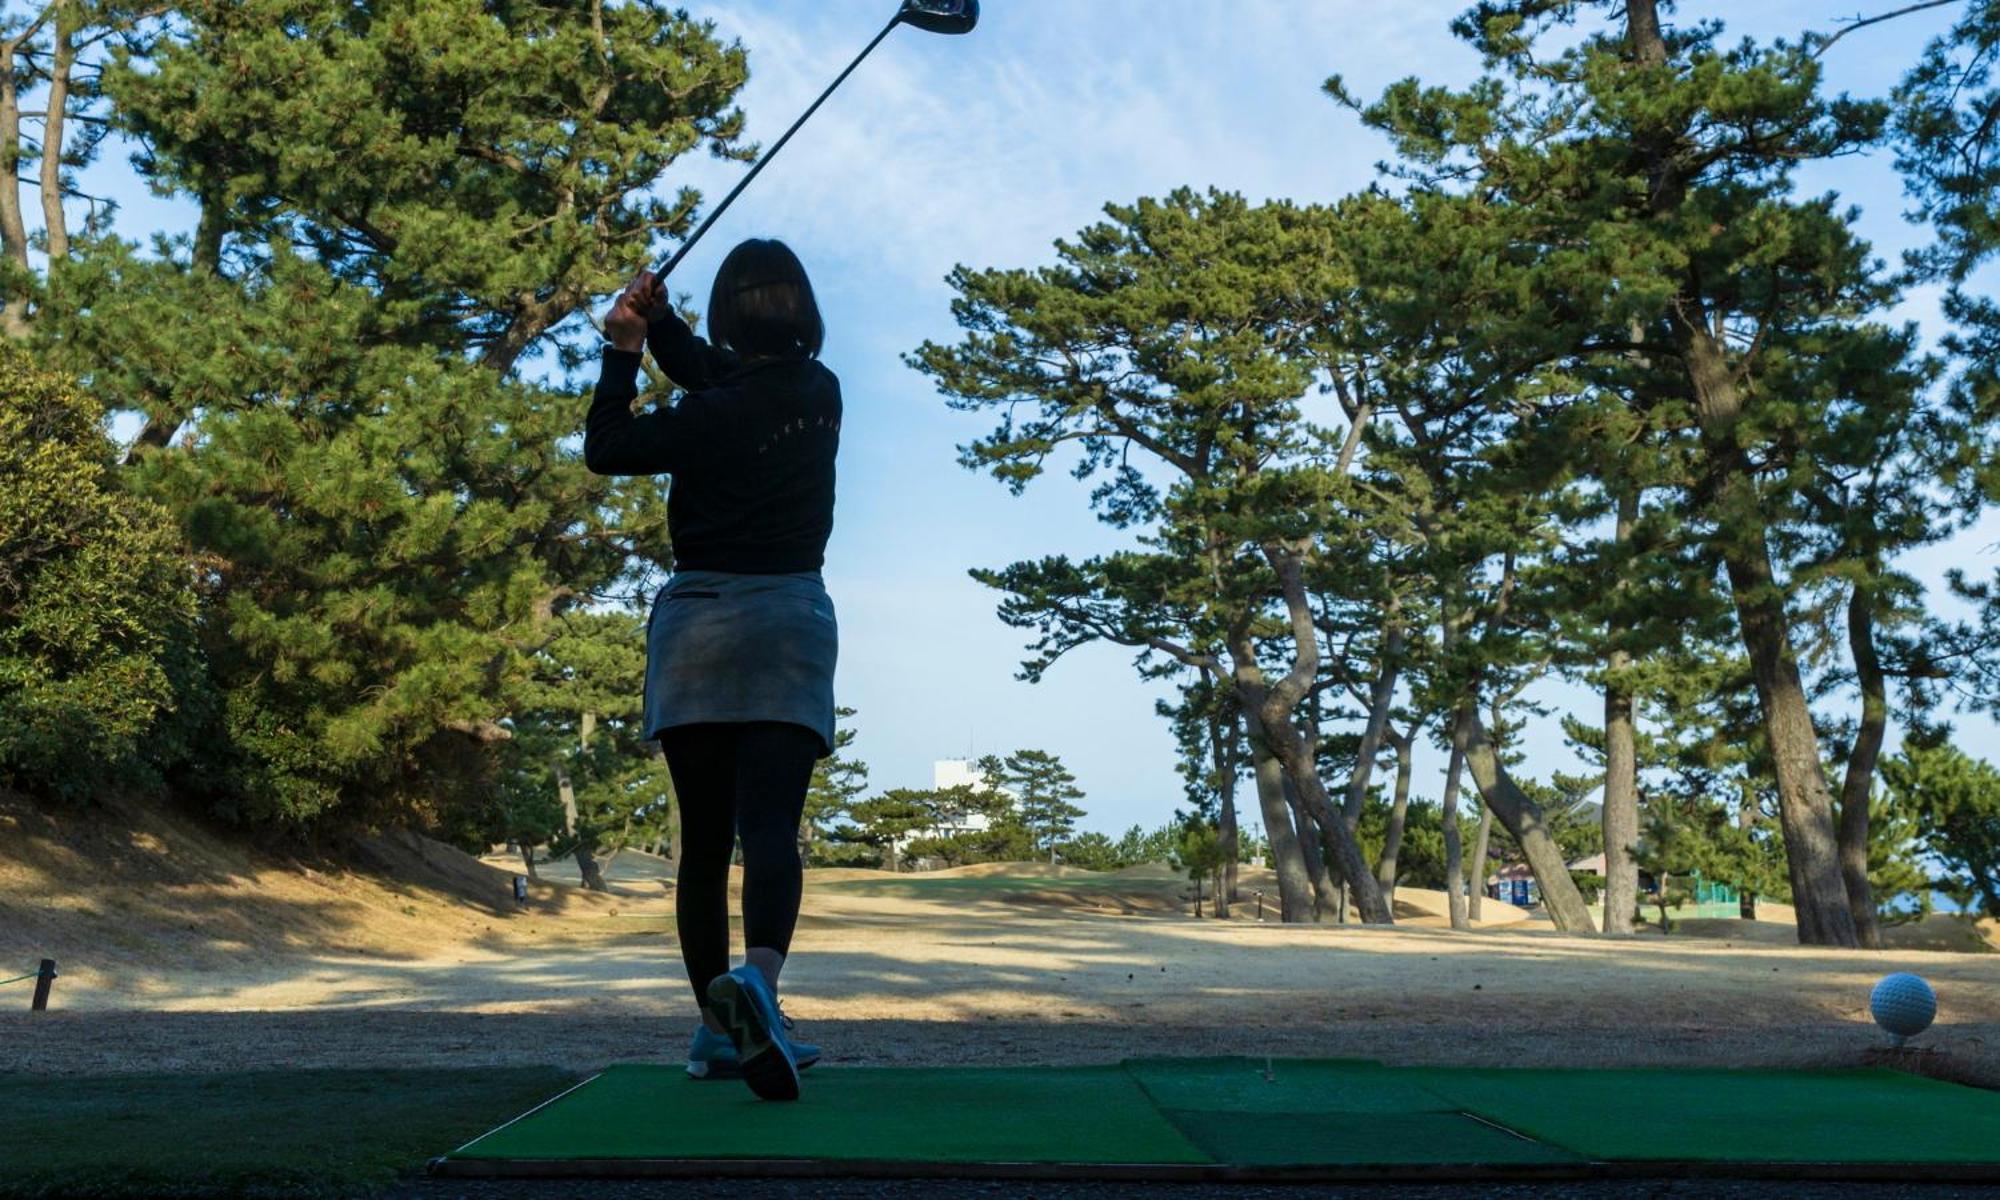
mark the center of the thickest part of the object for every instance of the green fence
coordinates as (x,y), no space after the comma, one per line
(1713,900)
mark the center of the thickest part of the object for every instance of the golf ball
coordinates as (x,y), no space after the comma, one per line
(1903,1004)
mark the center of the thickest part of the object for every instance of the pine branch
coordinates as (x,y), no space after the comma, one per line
(1860,22)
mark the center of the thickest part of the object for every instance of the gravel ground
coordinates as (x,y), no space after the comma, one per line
(112,1042)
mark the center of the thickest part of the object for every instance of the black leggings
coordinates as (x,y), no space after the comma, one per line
(735,779)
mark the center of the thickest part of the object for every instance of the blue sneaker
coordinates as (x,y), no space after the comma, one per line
(713,1056)
(743,1002)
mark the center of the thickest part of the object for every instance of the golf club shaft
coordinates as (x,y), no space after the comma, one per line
(773,151)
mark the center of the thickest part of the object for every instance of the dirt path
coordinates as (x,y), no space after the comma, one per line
(183,949)
(893,974)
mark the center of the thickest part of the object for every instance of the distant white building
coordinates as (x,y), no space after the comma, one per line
(955,772)
(961,772)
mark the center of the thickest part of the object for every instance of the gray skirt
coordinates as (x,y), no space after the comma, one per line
(722,646)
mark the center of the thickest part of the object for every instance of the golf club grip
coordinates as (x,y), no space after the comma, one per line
(758,166)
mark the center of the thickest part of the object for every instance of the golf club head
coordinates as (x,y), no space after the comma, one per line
(941,16)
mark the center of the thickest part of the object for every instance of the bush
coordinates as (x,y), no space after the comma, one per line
(1092,852)
(96,596)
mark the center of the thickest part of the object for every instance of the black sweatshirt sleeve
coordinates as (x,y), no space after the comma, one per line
(688,360)
(617,441)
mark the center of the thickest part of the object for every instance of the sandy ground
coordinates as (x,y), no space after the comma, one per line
(1014,965)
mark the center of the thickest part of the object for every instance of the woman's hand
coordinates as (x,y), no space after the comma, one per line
(625,325)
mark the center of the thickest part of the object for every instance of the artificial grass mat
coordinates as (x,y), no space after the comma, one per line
(1252,1113)
(1002,1114)
(1722,1115)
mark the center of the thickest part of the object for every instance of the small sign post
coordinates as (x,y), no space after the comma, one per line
(44,979)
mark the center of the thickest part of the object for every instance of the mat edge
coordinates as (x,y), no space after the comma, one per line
(641,1168)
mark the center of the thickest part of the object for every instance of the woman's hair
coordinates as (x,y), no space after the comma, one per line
(762,305)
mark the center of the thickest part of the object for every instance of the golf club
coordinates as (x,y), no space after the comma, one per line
(931,16)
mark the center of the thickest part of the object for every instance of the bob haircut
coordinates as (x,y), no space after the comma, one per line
(762,305)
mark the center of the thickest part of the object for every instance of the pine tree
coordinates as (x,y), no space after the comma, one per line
(399,203)
(1653,169)
(1956,801)
(1208,730)
(1042,790)
(836,782)
(885,821)
(1175,329)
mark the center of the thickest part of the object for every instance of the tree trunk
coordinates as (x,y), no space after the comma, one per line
(1226,873)
(1621,805)
(1399,811)
(56,228)
(1381,697)
(1481,845)
(1226,739)
(1276,705)
(1621,760)
(586,862)
(1326,895)
(528,859)
(1805,807)
(1523,818)
(1454,857)
(1297,755)
(1859,783)
(1295,897)
(13,224)
(1642,19)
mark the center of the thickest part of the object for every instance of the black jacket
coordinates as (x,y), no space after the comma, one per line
(750,448)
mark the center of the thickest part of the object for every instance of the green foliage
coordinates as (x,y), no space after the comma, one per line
(1042,789)
(1138,845)
(1197,848)
(1420,857)
(1955,800)
(1005,837)
(880,822)
(578,721)
(1699,341)
(1092,852)
(398,541)
(1897,875)
(483,169)
(1694,837)
(1198,853)
(1947,122)
(96,598)
(837,781)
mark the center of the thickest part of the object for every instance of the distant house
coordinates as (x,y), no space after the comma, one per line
(1515,882)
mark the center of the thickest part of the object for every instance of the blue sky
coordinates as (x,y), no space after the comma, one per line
(983,150)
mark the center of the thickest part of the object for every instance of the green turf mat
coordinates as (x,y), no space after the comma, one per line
(1714,1115)
(1308,1114)
(1351,1112)
(1294,1139)
(1295,1086)
(1011,1114)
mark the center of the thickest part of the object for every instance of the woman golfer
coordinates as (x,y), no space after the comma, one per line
(741,643)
